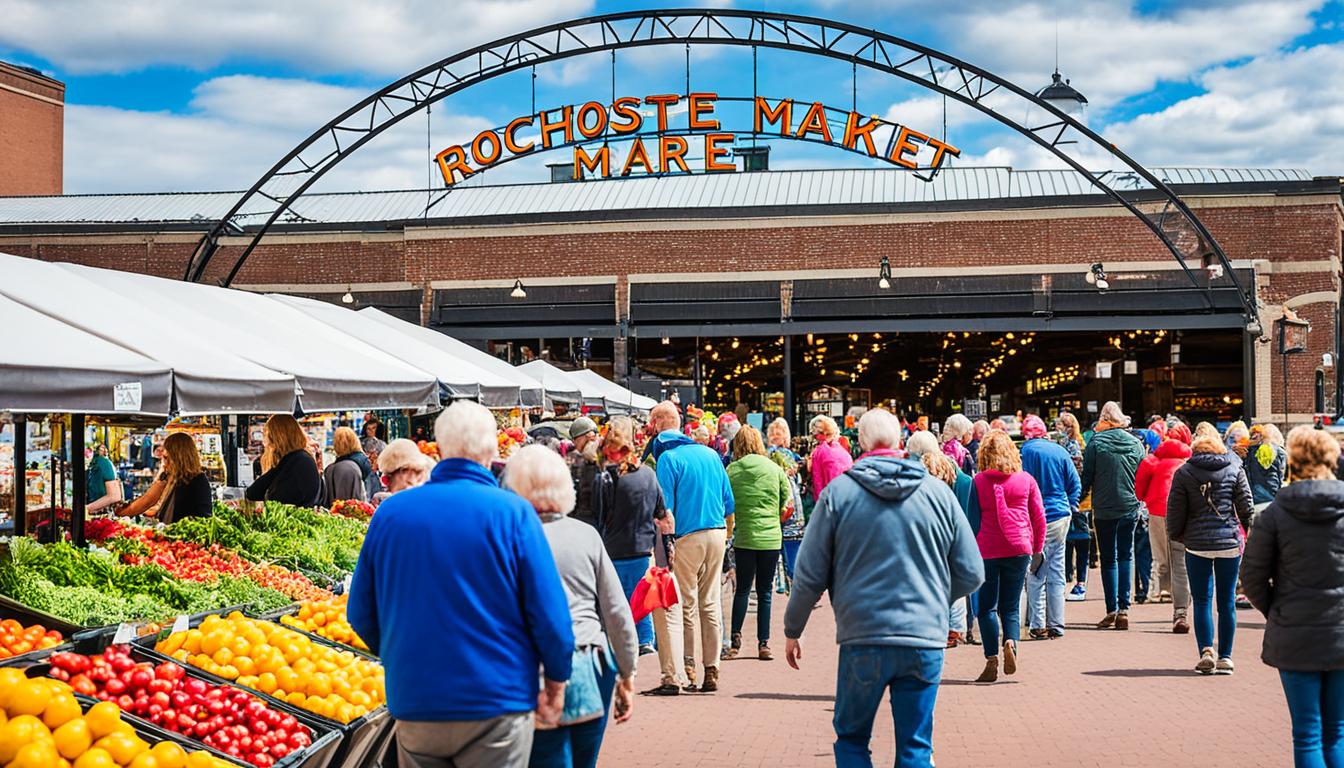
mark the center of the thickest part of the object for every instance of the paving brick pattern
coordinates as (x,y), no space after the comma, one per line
(1091,698)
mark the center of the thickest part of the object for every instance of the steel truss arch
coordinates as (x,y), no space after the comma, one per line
(276,191)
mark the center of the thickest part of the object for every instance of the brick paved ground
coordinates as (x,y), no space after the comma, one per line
(1092,698)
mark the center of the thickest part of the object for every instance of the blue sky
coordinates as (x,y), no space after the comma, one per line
(168,95)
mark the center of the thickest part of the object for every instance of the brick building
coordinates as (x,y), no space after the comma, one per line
(747,277)
(32,127)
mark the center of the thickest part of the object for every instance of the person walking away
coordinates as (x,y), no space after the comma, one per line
(1209,505)
(778,439)
(761,498)
(604,631)
(829,459)
(1152,484)
(1265,462)
(583,466)
(182,490)
(978,431)
(464,561)
(1143,549)
(1054,473)
(891,545)
(289,472)
(629,530)
(956,433)
(402,466)
(668,623)
(941,467)
(343,480)
(1293,573)
(1110,463)
(696,490)
(1008,517)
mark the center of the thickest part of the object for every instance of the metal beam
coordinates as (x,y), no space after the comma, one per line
(276,192)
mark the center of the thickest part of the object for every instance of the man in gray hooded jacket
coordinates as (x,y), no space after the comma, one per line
(891,545)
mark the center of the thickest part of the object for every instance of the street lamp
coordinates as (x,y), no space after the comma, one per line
(1097,276)
(884,274)
(348,298)
(1293,332)
(1064,97)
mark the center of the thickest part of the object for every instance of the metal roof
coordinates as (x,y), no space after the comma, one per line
(773,189)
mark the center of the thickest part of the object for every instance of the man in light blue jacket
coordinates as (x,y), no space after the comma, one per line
(893,548)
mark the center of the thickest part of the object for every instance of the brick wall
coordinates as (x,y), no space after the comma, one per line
(32,132)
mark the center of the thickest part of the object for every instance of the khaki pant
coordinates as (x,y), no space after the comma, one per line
(698,567)
(1168,567)
(667,629)
(502,741)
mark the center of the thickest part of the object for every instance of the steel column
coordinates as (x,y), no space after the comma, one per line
(79,479)
(20,474)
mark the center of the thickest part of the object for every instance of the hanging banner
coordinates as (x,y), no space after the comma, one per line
(663,147)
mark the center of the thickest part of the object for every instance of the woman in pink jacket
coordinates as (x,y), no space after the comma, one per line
(1008,518)
(829,459)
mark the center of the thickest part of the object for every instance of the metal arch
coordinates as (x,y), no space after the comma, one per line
(276,191)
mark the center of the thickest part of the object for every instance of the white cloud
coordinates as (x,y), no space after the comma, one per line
(1279,110)
(238,127)
(89,36)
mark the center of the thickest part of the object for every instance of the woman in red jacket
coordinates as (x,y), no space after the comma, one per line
(1152,484)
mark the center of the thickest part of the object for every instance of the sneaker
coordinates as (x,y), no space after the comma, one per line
(646,649)
(1164,597)
(1181,626)
(1077,594)
(1141,599)
(1039,634)
(1207,663)
(763,652)
(711,683)
(1244,603)
(1107,622)
(1224,667)
(1055,634)
(1122,620)
(666,689)
(953,639)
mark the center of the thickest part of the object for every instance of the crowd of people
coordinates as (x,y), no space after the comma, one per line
(548,575)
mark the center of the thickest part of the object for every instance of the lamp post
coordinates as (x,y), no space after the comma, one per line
(1293,333)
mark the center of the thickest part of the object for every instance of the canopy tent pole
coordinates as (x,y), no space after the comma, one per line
(20,474)
(230,455)
(79,477)
(788,414)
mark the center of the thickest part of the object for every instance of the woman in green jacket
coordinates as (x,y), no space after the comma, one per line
(761,496)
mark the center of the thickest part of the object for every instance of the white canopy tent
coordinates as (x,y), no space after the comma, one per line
(530,393)
(57,367)
(618,398)
(561,386)
(334,371)
(459,378)
(206,379)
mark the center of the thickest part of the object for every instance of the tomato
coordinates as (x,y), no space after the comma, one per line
(169,671)
(115,687)
(141,677)
(83,685)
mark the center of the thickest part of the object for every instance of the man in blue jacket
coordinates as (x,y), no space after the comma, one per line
(1052,467)
(456,590)
(890,543)
(695,487)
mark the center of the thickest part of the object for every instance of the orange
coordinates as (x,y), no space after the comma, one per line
(15,734)
(73,739)
(121,747)
(62,709)
(145,760)
(30,698)
(95,758)
(103,718)
(38,754)
(169,755)
(266,682)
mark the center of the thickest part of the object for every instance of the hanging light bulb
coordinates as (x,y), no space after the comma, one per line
(735,344)
(348,298)
(518,292)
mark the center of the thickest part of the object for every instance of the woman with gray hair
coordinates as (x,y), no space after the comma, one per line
(956,434)
(921,443)
(602,619)
(829,459)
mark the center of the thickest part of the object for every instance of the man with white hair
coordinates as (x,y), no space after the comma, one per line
(696,490)
(890,543)
(466,563)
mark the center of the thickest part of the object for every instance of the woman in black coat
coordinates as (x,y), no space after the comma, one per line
(1208,509)
(1293,573)
(289,472)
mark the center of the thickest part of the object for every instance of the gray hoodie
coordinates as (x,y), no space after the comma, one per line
(892,546)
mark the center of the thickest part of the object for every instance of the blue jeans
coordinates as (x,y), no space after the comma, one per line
(630,571)
(1115,540)
(1205,573)
(754,565)
(791,547)
(866,672)
(1045,588)
(1000,601)
(1143,560)
(1316,704)
(1075,559)
(574,746)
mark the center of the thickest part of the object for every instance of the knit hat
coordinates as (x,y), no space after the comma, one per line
(1032,426)
(582,426)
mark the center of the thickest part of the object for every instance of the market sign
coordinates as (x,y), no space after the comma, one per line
(666,149)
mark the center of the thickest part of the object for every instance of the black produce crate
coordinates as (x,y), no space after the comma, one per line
(360,738)
(319,754)
(12,609)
